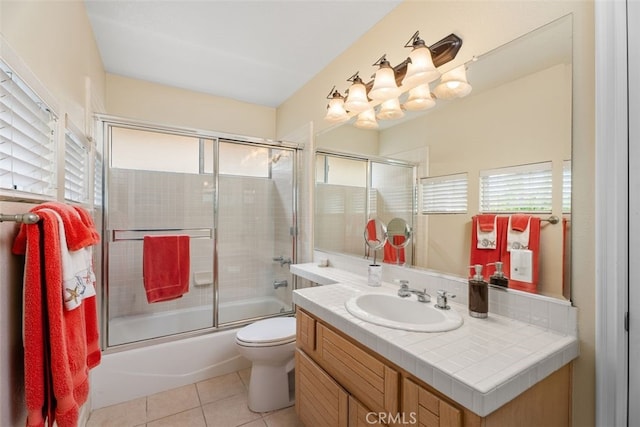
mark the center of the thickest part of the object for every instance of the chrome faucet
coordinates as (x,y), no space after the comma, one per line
(442,299)
(405,291)
(282,260)
(280,284)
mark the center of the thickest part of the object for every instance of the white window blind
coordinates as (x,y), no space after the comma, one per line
(525,188)
(566,186)
(27,138)
(76,169)
(97,179)
(444,194)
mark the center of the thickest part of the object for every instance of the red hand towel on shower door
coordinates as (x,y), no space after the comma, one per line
(165,264)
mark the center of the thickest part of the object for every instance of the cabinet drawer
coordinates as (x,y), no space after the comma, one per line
(320,401)
(305,331)
(360,416)
(368,379)
(427,408)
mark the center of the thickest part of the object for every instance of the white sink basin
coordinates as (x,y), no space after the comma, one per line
(402,313)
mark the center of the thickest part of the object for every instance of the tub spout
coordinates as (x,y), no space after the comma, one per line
(280,284)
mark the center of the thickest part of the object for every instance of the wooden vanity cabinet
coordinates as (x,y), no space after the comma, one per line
(341,383)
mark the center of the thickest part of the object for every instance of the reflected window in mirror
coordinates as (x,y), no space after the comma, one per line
(444,194)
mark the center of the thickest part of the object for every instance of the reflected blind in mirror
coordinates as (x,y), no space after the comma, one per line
(525,188)
(76,169)
(444,194)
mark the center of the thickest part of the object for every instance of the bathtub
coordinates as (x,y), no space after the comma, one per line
(130,374)
(129,329)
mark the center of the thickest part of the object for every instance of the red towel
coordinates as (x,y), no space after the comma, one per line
(394,255)
(165,267)
(534,246)
(486,222)
(487,256)
(519,222)
(60,346)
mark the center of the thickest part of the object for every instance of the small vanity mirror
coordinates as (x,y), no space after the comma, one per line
(398,233)
(375,234)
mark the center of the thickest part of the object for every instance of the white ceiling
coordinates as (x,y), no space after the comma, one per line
(257,51)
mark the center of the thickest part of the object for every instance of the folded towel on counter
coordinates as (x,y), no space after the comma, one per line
(165,267)
(518,232)
(486,231)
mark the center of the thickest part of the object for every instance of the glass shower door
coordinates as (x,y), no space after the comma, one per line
(255,230)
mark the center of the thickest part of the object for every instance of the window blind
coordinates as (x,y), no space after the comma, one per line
(525,188)
(444,194)
(566,186)
(76,169)
(27,138)
(97,179)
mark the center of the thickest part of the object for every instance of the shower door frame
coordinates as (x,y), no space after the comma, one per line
(104,124)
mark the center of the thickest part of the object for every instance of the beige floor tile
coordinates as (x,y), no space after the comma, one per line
(256,423)
(191,418)
(172,402)
(245,375)
(229,412)
(127,414)
(283,418)
(220,387)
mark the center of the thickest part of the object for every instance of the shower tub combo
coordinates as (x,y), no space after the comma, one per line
(147,370)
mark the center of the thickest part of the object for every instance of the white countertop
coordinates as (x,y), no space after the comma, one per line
(482,365)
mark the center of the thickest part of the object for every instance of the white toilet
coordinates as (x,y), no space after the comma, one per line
(269,344)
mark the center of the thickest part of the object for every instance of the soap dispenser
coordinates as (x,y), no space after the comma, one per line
(478,294)
(498,278)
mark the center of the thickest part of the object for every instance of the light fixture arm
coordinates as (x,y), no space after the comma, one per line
(415,41)
(355,78)
(334,93)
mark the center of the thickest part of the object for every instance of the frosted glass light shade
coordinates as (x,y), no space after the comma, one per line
(367,120)
(421,69)
(335,111)
(357,100)
(384,84)
(390,109)
(453,84)
(420,98)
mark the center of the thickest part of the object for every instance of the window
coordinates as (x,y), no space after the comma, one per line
(76,169)
(525,188)
(444,194)
(566,187)
(27,138)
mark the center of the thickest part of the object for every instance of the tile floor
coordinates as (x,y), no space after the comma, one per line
(216,402)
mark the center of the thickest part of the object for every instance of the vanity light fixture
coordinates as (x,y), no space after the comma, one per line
(384,82)
(335,110)
(420,69)
(367,120)
(420,98)
(390,109)
(407,81)
(357,100)
(453,84)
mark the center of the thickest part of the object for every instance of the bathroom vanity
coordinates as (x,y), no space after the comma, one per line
(488,372)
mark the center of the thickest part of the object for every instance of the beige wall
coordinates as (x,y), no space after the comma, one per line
(484,25)
(155,103)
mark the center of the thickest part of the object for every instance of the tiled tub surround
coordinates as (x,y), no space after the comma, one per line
(482,365)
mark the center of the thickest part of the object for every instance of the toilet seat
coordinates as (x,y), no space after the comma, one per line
(268,332)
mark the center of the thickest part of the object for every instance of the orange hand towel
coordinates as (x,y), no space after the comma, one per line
(165,266)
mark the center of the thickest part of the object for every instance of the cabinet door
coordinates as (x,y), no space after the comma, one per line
(305,332)
(320,401)
(368,379)
(361,416)
(425,407)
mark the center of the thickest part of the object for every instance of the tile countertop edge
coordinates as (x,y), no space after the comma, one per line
(482,397)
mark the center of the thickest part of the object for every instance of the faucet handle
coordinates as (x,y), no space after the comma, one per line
(442,299)
(404,284)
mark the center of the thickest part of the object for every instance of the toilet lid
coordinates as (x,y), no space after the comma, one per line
(269,330)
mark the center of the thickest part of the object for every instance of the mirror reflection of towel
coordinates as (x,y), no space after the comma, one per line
(486,229)
(165,266)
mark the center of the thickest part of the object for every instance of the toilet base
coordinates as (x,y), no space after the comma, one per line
(271,387)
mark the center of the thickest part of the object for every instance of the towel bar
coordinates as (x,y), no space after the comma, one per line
(26,218)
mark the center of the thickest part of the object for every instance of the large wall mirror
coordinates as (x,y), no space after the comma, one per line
(518,113)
